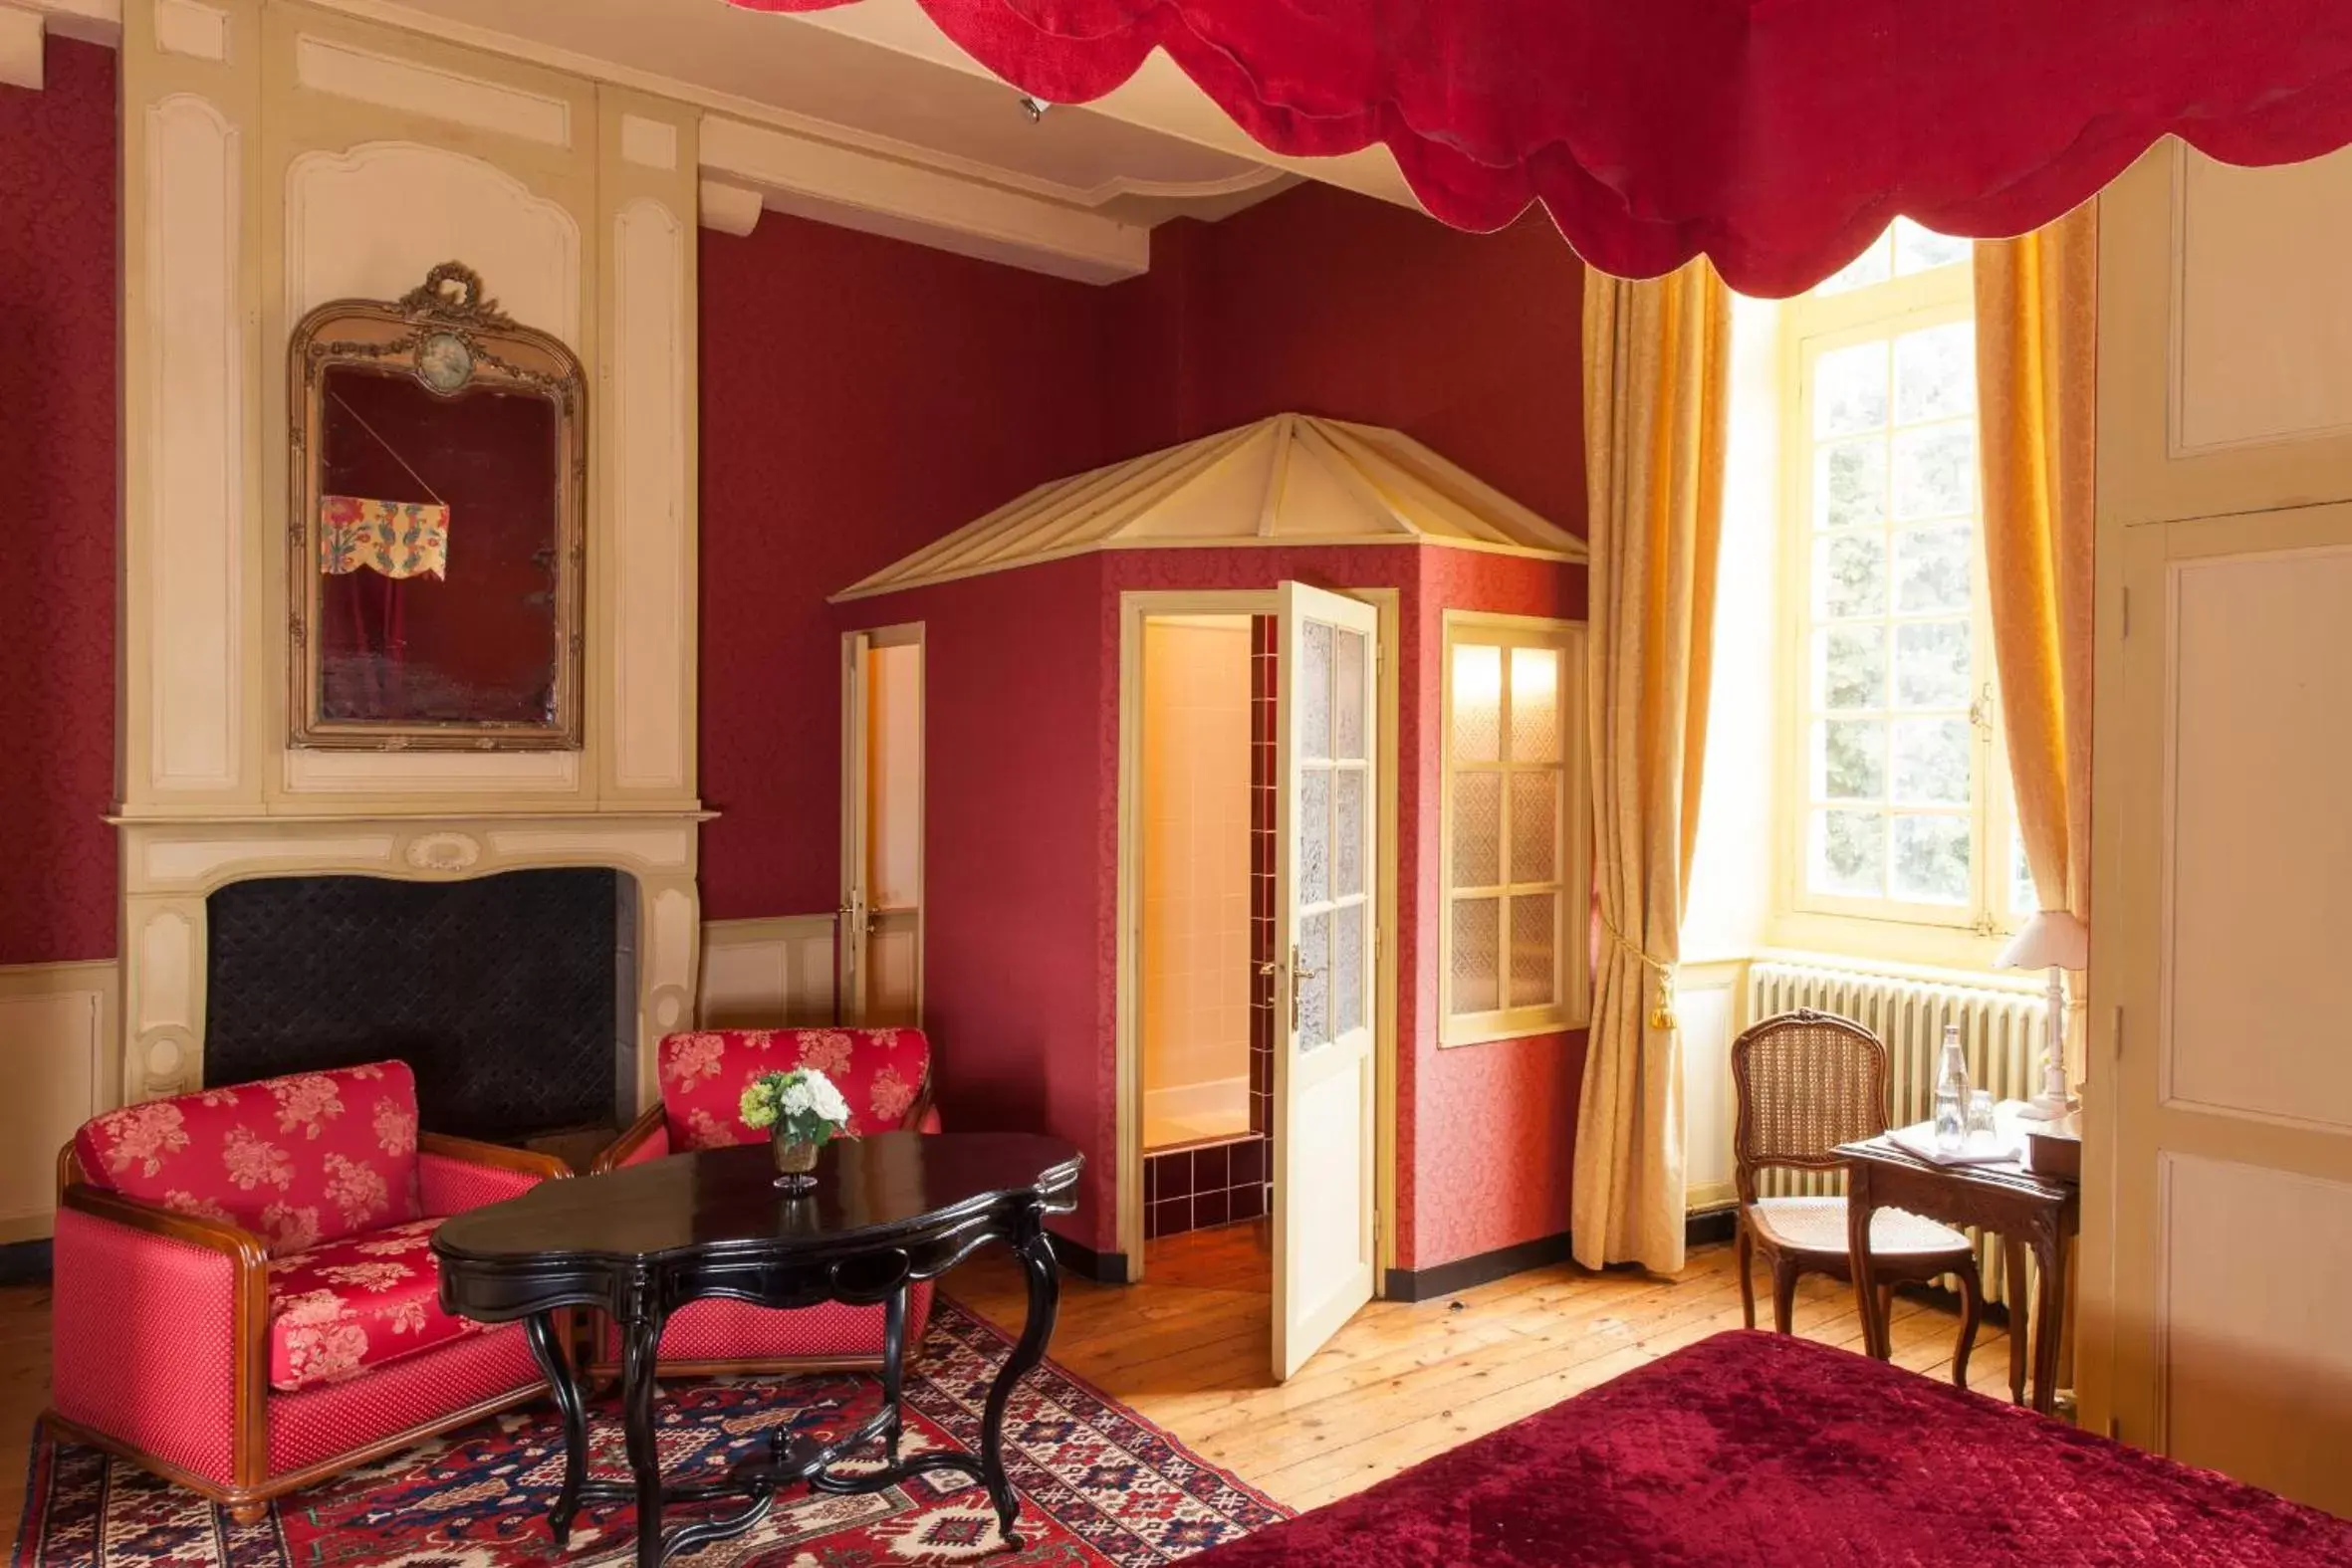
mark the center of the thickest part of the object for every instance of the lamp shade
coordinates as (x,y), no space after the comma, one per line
(2052,939)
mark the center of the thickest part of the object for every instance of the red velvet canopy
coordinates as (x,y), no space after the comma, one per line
(1777,136)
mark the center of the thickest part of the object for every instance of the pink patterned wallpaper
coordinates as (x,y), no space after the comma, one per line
(57,451)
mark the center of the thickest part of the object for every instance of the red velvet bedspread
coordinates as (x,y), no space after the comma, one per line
(1752,1448)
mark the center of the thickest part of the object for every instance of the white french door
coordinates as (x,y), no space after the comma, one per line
(1328,818)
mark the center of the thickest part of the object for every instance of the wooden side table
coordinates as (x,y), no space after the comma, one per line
(2029,1212)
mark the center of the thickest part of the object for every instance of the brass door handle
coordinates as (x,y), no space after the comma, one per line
(1300,976)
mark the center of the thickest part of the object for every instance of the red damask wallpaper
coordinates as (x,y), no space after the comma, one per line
(861,397)
(57,452)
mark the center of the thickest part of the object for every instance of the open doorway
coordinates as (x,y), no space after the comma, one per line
(878,942)
(1204,844)
(1257,987)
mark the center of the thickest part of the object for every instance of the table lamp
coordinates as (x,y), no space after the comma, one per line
(2054,940)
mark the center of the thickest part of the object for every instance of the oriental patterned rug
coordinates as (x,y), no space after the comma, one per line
(1099,1485)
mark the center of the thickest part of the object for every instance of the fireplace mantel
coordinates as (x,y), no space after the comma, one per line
(170,867)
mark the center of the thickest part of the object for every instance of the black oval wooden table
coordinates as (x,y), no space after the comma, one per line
(640,1242)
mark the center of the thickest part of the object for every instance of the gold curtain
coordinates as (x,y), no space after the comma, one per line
(1657,397)
(2036,398)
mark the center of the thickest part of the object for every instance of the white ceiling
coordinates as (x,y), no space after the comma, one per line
(878,77)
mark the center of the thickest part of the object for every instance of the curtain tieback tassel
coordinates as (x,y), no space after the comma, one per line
(1662,1016)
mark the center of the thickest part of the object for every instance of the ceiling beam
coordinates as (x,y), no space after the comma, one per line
(878,195)
(1158,97)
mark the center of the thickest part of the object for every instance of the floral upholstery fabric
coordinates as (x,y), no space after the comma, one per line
(299,1161)
(356,1303)
(881,1072)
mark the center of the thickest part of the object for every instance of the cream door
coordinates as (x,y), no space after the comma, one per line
(2233,1242)
(880,969)
(2216,1279)
(1323,1073)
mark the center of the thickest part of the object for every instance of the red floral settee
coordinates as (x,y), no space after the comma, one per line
(884,1074)
(246,1301)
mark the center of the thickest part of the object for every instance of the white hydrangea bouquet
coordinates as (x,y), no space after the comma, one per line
(803,1111)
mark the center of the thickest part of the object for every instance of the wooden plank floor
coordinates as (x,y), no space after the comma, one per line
(1189,1348)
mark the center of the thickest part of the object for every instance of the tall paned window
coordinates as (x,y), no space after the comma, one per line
(1517,865)
(1904,813)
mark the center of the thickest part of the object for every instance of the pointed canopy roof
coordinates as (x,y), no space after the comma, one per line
(1290,479)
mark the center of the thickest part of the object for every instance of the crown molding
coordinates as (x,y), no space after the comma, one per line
(392,13)
(856,191)
(91,21)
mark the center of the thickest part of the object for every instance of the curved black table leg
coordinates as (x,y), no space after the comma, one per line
(894,1370)
(640,1345)
(539,1330)
(1044,1298)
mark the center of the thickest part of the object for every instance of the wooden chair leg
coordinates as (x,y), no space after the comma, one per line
(2021,1318)
(1744,1250)
(1886,1305)
(1971,1314)
(1785,1295)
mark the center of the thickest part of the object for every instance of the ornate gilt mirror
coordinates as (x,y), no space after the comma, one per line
(438,525)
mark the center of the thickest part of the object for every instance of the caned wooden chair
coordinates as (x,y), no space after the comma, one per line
(1807,1083)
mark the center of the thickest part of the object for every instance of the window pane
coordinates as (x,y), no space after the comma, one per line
(2023,897)
(1918,249)
(1348,696)
(1931,664)
(1935,471)
(1932,760)
(1534,705)
(1850,667)
(1932,566)
(1478,829)
(1534,949)
(1872,266)
(1312,690)
(1478,702)
(1850,760)
(1932,859)
(1535,826)
(1850,484)
(1936,373)
(1313,981)
(1850,390)
(1478,955)
(1348,832)
(1348,968)
(1847,853)
(1314,836)
(1849,575)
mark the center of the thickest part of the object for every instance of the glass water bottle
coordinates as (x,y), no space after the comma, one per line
(1951,1092)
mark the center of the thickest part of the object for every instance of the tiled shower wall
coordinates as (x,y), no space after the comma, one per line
(1227,1183)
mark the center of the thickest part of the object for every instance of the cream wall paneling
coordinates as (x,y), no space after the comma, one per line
(391,81)
(56,1046)
(486,162)
(312,157)
(187,413)
(647,576)
(23,49)
(767,973)
(1710,1001)
(192,28)
(2233,391)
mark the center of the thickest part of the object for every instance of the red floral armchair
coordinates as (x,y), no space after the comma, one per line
(246,1301)
(884,1074)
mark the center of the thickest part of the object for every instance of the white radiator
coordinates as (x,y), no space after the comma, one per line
(2002,1034)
